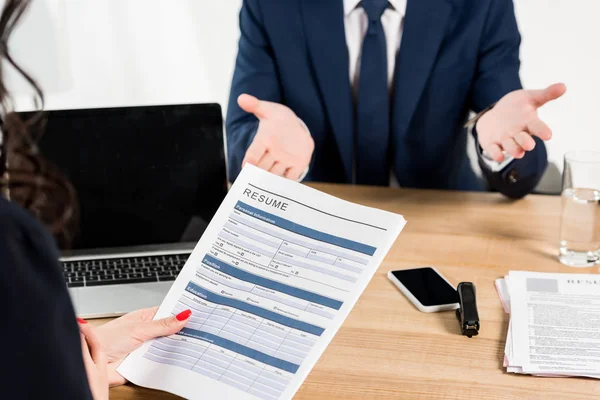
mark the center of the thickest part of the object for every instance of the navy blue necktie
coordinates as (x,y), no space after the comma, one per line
(372,108)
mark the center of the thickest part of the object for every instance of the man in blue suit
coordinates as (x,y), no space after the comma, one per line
(378,92)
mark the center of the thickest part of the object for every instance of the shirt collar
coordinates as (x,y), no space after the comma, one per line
(397,5)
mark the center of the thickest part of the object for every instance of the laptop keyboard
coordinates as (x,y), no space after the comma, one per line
(115,271)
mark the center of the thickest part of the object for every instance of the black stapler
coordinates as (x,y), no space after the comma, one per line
(467,313)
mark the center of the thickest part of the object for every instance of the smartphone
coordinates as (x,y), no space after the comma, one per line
(426,288)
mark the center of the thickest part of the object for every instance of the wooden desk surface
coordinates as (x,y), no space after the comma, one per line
(386,349)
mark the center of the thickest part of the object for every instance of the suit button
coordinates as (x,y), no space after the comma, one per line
(513,176)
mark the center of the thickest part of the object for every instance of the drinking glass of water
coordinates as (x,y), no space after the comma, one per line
(580,223)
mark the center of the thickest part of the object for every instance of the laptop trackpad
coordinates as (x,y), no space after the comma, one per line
(112,300)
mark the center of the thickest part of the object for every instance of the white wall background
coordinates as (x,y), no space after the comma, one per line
(561,42)
(95,53)
(90,53)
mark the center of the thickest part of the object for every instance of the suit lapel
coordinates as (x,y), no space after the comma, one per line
(325,33)
(424,27)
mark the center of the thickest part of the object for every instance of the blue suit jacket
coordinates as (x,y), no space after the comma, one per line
(455,56)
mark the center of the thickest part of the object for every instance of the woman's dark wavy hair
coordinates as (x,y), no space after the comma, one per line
(26,177)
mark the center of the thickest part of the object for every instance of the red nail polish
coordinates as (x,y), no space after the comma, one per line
(182,316)
(81,321)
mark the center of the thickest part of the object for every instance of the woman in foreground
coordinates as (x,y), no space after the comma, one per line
(48,353)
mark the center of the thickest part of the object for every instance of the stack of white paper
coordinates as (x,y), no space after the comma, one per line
(554,329)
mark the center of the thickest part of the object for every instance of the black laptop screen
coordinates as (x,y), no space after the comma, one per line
(143,175)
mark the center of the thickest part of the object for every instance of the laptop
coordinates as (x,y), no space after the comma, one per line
(149,179)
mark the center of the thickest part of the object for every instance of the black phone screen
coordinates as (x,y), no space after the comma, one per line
(427,286)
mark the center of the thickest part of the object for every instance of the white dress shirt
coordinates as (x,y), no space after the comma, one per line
(356,23)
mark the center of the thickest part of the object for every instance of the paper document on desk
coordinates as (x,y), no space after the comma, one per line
(269,284)
(555,324)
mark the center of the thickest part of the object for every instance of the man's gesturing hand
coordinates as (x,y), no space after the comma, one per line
(510,125)
(282,144)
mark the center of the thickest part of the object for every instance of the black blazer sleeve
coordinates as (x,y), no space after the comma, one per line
(256,74)
(40,337)
(498,74)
